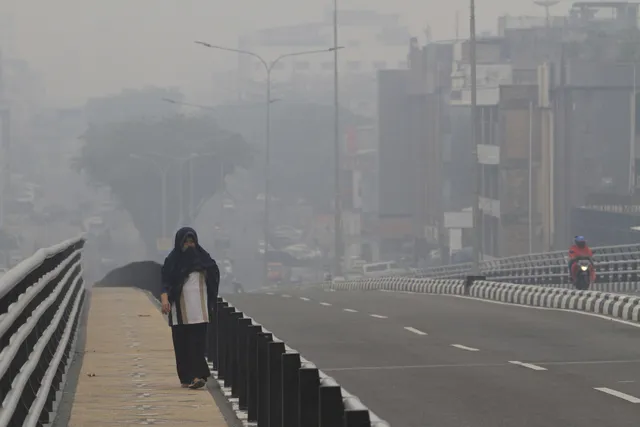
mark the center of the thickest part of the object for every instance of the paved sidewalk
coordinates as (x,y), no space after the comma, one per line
(128,376)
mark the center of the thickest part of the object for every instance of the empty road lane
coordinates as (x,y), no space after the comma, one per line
(420,360)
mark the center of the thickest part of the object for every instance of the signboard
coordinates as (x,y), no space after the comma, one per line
(463,219)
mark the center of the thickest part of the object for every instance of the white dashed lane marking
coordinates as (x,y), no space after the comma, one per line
(350,310)
(325,304)
(464,347)
(286,296)
(618,394)
(269,293)
(304,299)
(378,316)
(415,331)
(527,365)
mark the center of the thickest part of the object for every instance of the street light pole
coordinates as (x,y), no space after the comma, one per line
(268,66)
(192,207)
(477,222)
(267,177)
(337,220)
(163,174)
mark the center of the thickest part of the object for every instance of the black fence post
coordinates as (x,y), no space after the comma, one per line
(330,403)
(264,339)
(309,395)
(355,413)
(275,351)
(212,335)
(240,380)
(232,361)
(223,340)
(290,385)
(249,401)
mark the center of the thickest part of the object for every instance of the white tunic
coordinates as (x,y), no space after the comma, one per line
(193,302)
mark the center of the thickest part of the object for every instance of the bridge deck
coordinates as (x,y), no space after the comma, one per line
(128,375)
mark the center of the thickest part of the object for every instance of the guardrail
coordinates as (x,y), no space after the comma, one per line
(40,303)
(614,265)
(625,307)
(273,383)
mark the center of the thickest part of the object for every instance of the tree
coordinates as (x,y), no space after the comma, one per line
(133,103)
(129,157)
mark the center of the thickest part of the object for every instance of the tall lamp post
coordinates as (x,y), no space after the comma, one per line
(337,220)
(268,66)
(477,220)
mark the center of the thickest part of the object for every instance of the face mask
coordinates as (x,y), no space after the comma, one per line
(190,251)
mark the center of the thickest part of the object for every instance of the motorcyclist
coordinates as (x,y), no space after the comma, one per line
(580,250)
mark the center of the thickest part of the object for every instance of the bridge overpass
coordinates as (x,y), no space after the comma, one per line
(411,351)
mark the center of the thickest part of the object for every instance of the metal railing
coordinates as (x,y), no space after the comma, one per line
(614,265)
(274,384)
(40,304)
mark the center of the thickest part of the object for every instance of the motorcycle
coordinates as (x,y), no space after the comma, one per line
(584,270)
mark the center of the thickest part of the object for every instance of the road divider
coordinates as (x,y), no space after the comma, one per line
(624,307)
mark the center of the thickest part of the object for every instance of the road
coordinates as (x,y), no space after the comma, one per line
(433,360)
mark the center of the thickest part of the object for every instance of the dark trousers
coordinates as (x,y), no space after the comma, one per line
(189,346)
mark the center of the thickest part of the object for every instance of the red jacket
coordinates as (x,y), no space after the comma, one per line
(576,251)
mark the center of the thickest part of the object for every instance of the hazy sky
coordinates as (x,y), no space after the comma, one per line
(85,48)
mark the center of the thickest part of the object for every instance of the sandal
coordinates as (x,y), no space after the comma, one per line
(197,383)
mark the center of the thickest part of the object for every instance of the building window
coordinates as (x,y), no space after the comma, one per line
(380,65)
(327,65)
(302,65)
(353,65)
(278,66)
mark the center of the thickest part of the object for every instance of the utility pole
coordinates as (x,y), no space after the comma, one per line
(336,124)
(477,221)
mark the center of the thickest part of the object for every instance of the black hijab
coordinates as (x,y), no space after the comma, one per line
(180,263)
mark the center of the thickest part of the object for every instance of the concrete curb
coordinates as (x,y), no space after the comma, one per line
(625,307)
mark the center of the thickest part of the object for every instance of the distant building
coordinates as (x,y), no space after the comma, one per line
(555,122)
(371,41)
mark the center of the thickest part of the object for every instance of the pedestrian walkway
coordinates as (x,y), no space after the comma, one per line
(128,376)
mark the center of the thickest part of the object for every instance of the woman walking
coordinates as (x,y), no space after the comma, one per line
(190,280)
